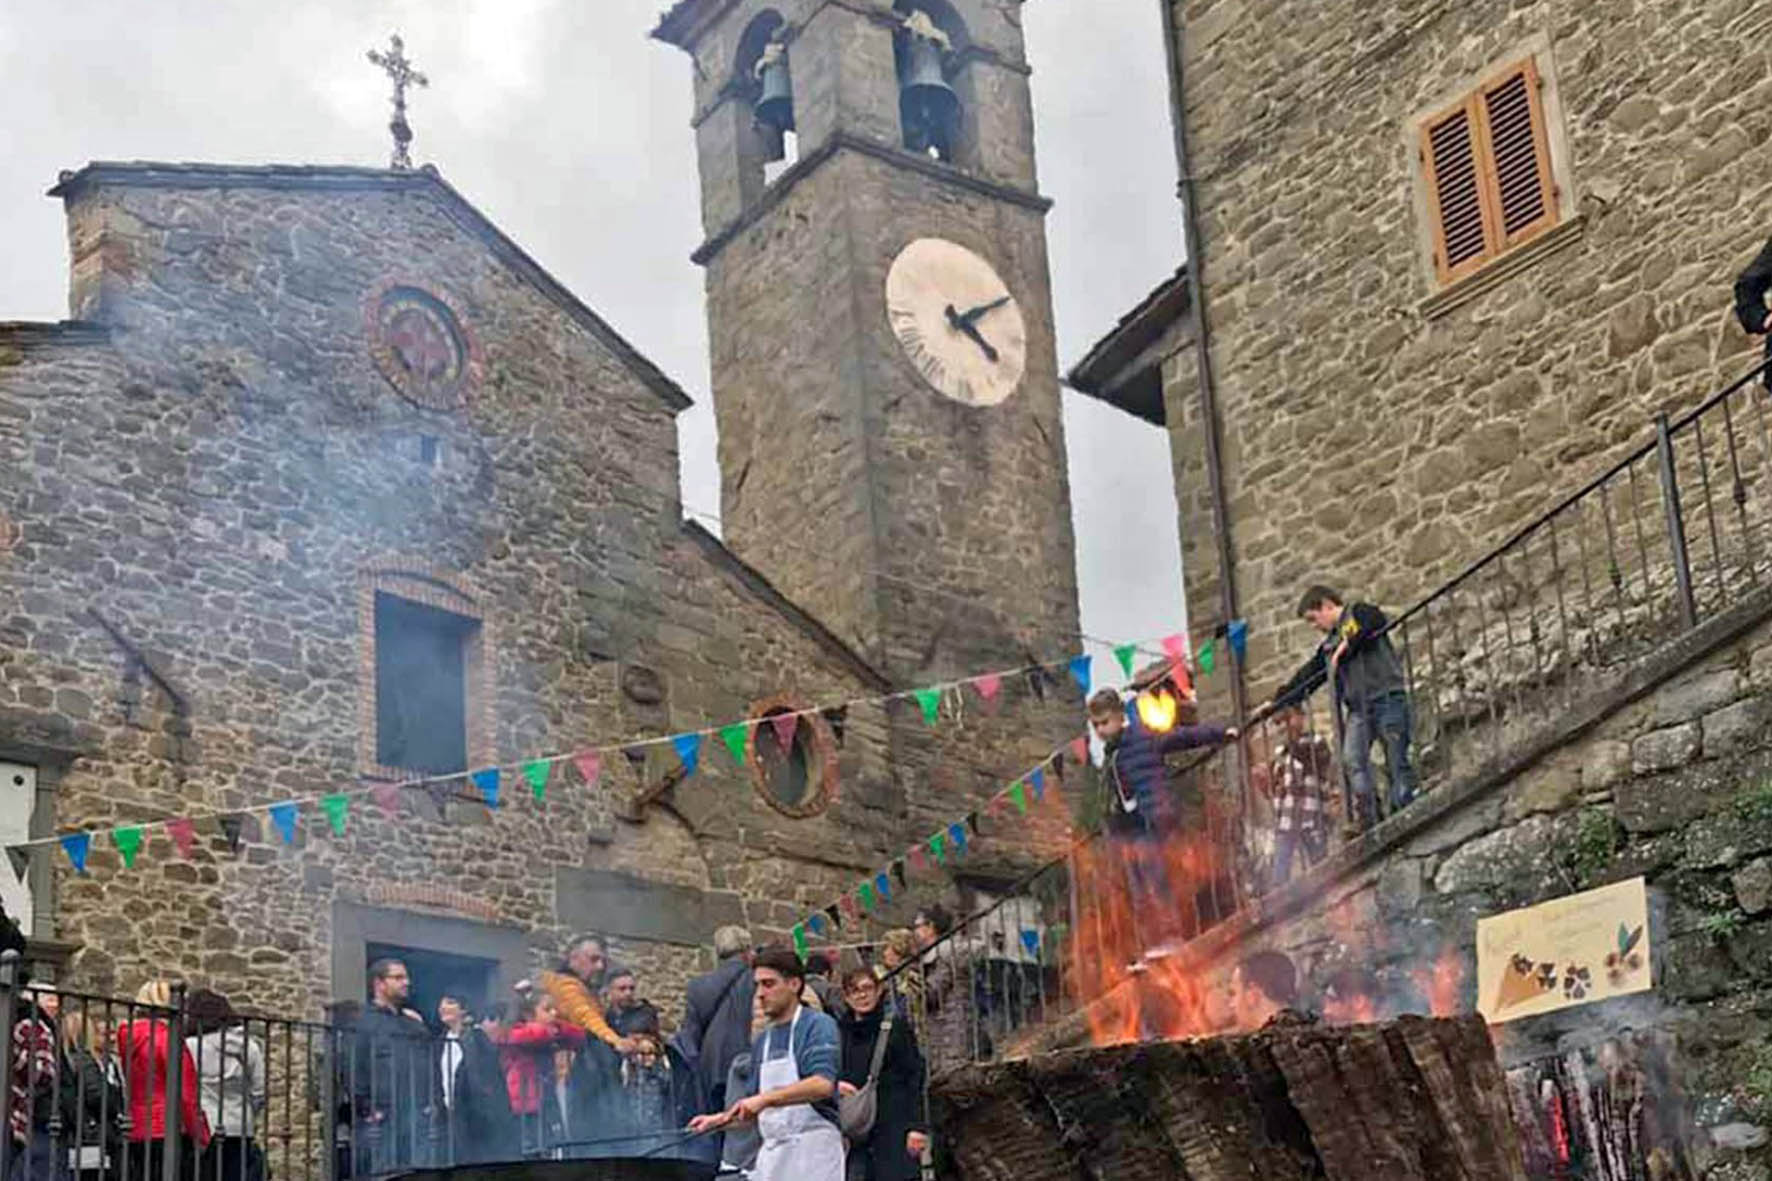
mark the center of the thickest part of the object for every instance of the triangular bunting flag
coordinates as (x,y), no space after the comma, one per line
(1080,750)
(847,902)
(988,686)
(883,887)
(816,924)
(335,806)
(972,823)
(784,725)
(831,912)
(1037,683)
(957,832)
(590,766)
(1019,797)
(487,781)
(536,771)
(387,797)
(636,757)
(1238,634)
(898,872)
(1175,647)
(1208,660)
(930,701)
(865,892)
(688,748)
(128,840)
(232,827)
(938,846)
(75,845)
(184,836)
(1125,654)
(1037,781)
(1031,941)
(1080,672)
(737,738)
(283,816)
(800,940)
(440,791)
(20,856)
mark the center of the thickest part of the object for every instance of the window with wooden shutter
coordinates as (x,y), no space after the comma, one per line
(1488,169)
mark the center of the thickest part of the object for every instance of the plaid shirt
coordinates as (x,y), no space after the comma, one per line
(34,1064)
(1300,777)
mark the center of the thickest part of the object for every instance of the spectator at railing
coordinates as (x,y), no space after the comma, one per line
(539,1091)
(955,1034)
(391,1075)
(651,1091)
(1298,775)
(1370,694)
(1751,287)
(818,978)
(892,1149)
(717,1015)
(898,948)
(91,1099)
(146,1042)
(575,988)
(36,1060)
(332,1055)
(230,1086)
(474,1104)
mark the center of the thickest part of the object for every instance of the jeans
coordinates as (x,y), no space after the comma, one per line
(1384,719)
(1147,882)
(1287,843)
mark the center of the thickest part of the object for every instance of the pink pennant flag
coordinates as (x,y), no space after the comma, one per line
(1176,647)
(387,798)
(590,766)
(1080,749)
(919,859)
(988,686)
(785,725)
(184,835)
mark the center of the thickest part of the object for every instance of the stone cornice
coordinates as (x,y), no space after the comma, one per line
(897,157)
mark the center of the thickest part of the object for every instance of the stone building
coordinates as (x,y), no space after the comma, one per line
(326,483)
(1407,370)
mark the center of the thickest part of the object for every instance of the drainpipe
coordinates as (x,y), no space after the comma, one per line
(1221,525)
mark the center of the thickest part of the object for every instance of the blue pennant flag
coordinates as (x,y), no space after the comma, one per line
(1031,941)
(688,750)
(1037,781)
(1238,634)
(283,816)
(1080,672)
(815,924)
(487,782)
(75,845)
(957,834)
(884,887)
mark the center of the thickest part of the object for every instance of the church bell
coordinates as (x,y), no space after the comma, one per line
(775,105)
(927,104)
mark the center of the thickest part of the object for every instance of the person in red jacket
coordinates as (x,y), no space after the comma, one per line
(145,1042)
(528,1050)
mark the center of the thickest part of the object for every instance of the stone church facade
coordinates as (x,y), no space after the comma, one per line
(327,484)
(1408,369)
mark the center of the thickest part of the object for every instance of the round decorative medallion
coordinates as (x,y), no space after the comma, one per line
(792,759)
(420,346)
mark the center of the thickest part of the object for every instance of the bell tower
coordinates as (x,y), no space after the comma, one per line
(883,364)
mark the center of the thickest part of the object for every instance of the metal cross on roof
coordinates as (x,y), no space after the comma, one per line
(395,64)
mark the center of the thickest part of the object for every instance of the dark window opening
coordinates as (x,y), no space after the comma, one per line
(786,773)
(421,657)
(436,973)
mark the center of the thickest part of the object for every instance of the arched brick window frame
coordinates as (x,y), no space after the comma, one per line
(812,735)
(430,586)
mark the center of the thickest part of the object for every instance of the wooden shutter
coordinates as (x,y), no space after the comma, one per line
(1487,162)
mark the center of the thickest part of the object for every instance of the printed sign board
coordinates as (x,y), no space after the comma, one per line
(1568,951)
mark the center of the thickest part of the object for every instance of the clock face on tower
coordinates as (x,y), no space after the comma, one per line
(957,321)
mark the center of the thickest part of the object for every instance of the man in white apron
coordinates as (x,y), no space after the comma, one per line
(795,1101)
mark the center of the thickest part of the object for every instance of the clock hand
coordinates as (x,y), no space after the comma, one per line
(975,314)
(961,324)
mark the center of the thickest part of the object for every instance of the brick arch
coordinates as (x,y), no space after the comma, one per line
(433,586)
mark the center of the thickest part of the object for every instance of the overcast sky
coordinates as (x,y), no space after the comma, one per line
(568,127)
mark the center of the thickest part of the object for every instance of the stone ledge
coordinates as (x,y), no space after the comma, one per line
(1367,852)
(24,334)
(1502,268)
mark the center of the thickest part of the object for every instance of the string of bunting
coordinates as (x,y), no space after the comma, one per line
(538,772)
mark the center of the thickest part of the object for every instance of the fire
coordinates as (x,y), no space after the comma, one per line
(1442,983)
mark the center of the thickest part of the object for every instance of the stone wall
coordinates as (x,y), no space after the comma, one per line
(215,479)
(1374,437)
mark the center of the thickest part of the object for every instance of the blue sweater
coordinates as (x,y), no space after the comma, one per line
(1134,771)
(817,1050)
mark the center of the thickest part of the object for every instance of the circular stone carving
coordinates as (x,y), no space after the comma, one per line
(802,780)
(420,345)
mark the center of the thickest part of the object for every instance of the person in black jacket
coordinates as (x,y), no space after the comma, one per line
(1370,693)
(1751,287)
(717,1014)
(91,1100)
(893,1149)
(473,1105)
(392,1076)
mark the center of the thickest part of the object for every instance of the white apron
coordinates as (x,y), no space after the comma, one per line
(798,1143)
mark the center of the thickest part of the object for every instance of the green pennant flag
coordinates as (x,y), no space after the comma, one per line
(938,845)
(1208,661)
(865,892)
(930,700)
(128,840)
(1019,797)
(336,805)
(536,771)
(1124,654)
(734,736)
(800,940)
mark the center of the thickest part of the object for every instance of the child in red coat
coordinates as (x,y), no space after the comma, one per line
(528,1050)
